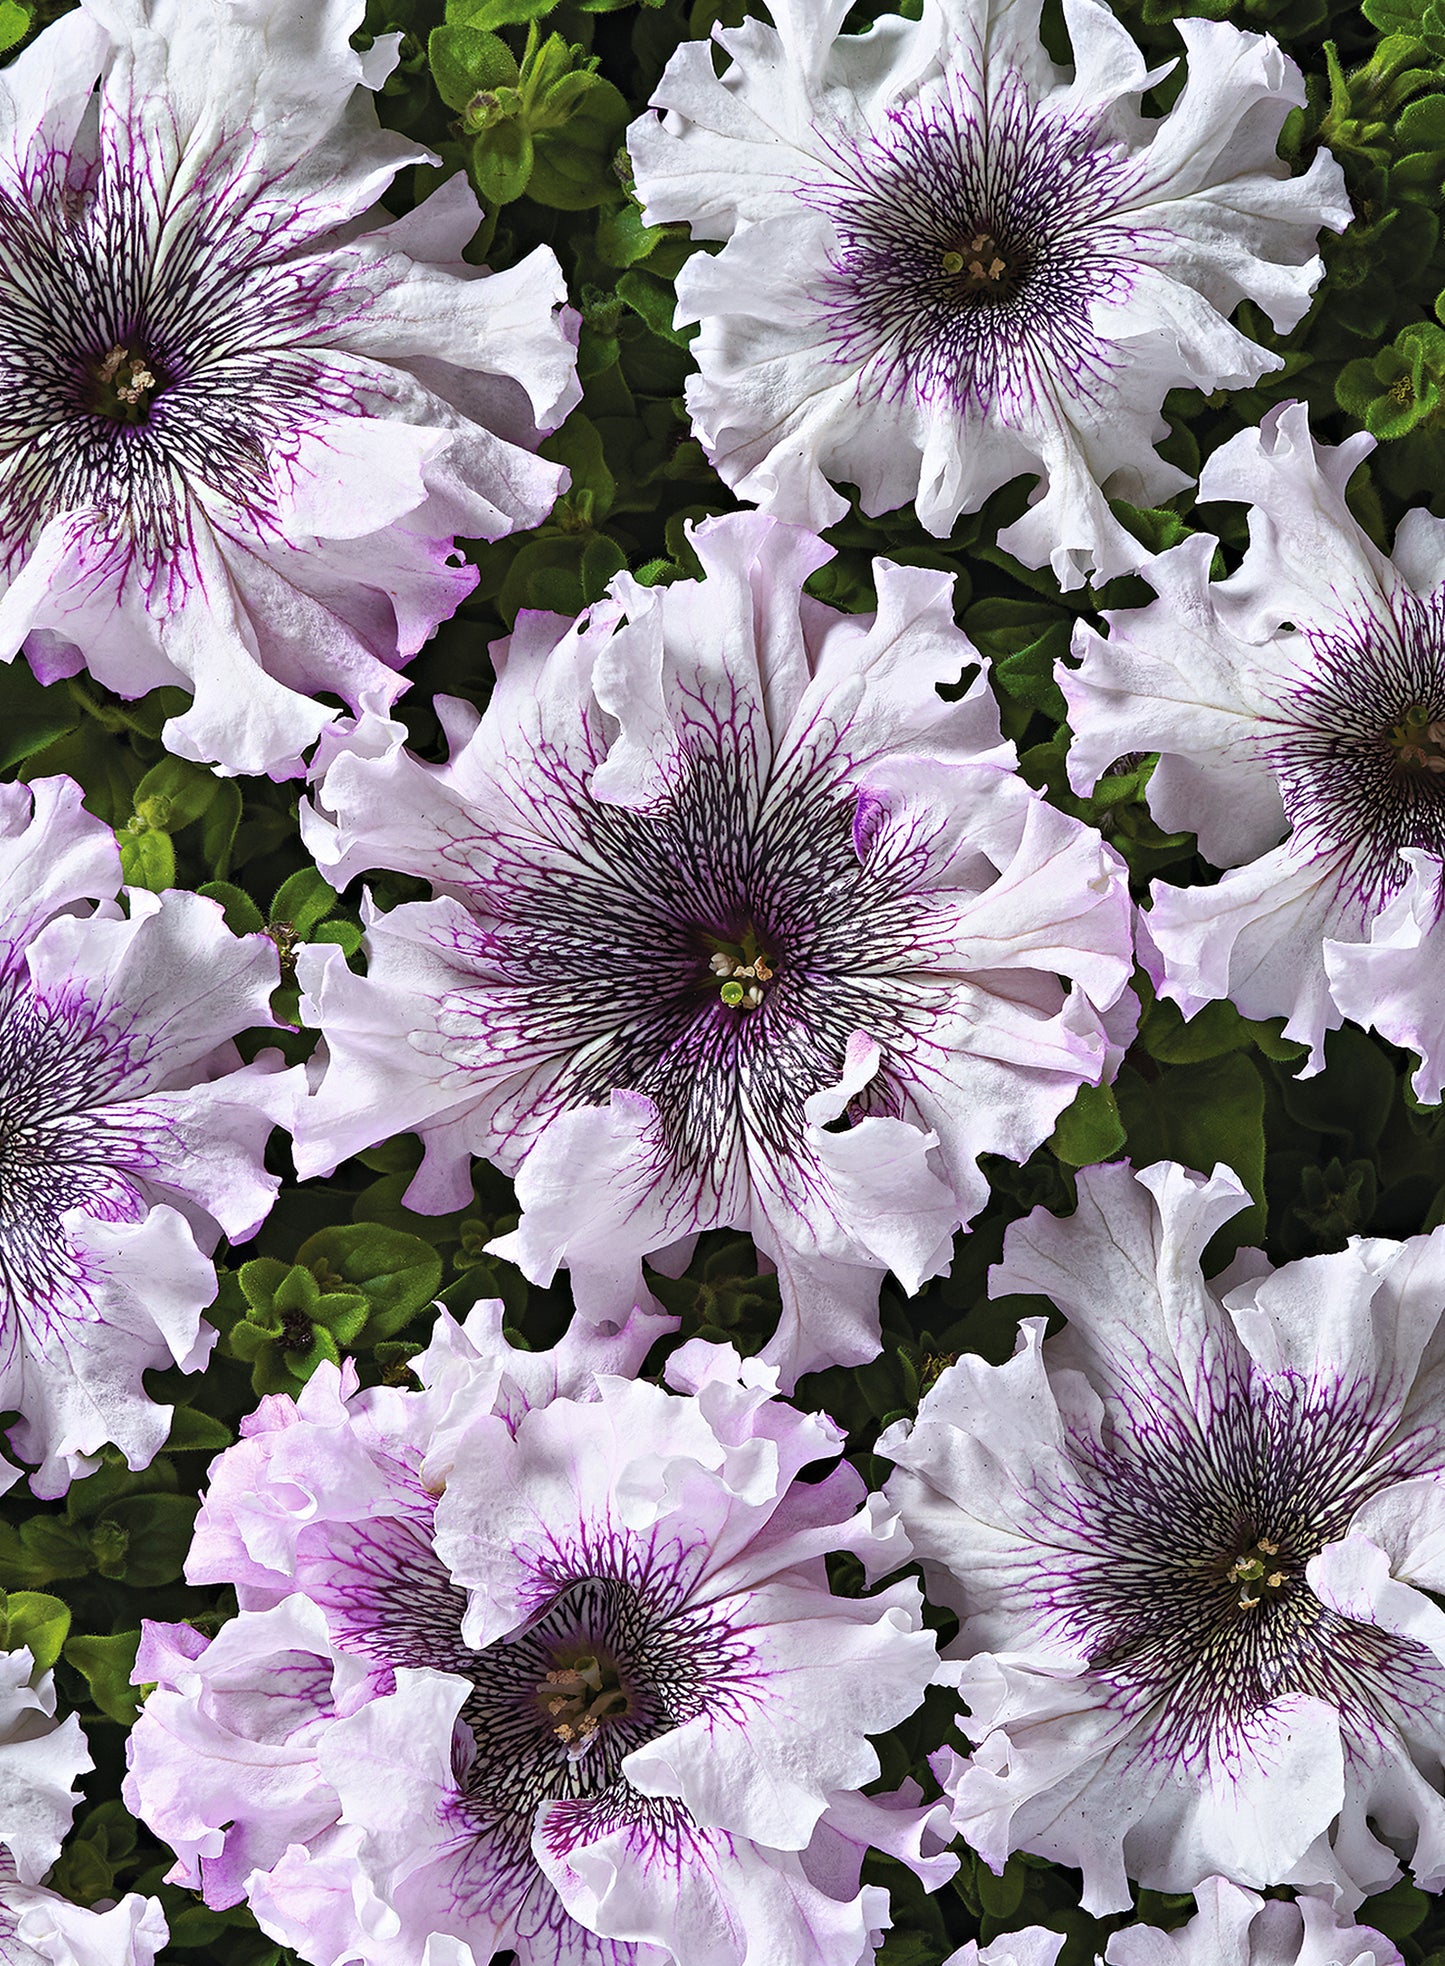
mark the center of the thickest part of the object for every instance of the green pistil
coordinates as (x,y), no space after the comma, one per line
(980,266)
(1258,1573)
(1418,740)
(581,1692)
(125,379)
(743,969)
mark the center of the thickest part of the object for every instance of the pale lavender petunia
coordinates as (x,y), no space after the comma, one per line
(541,1657)
(244,411)
(1192,1541)
(718,867)
(1234,1927)
(950,262)
(40,1759)
(1299,710)
(131,1136)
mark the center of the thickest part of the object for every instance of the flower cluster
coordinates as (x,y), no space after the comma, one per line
(686,983)
(547,1660)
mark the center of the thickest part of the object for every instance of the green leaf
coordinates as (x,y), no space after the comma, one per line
(32,714)
(464,61)
(175,793)
(488,14)
(1421,125)
(146,1537)
(243,917)
(15,23)
(501,163)
(1024,641)
(148,860)
(106,1664)
(194,1432)
(304,901)
(396,1272)
(1089,1130)
(34,1620)
(578,445)
(656,302)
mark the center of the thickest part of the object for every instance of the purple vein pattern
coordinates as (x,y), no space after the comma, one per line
(131,1135)
(243,413)
(950,262)
(550,1664)
(739,923)
(1190,1541)
(1299,709)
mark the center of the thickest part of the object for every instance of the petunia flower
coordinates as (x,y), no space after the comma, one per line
(717,868)
(1299,710)
(1242,1929)
(244,411)
(950,261)
(40,1758)
(130,1134)
(542,1657)
(1192,1541)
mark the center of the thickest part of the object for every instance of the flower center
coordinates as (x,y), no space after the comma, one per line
(580,1692)
(1418,741)
(978,266)
(123,382)
(1258,1572)
(742,968)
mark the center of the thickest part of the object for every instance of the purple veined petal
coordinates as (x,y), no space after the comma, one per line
(949,262)
(1186,1542)
(212,335)
(1299,709)
(544,1658)
(133,1136)
(671,981)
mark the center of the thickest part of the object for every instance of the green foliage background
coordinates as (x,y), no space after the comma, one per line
(532,101)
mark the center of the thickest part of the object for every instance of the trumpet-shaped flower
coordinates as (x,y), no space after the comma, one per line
(130,1134)
(717,868)
(541,1657)
(40,1758)
(244,413)
(1299,710)
(1192,1541)
(950,261)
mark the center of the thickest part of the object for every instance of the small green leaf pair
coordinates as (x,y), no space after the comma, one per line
(349,1286)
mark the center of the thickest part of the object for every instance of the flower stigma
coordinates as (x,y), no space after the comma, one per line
(743,970)
(980,267)
(1418,740)
(579,1693)
(1257,1572)
(124,381)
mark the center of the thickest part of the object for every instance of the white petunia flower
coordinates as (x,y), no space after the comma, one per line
(243,413)
(1299,710)
(950,262)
